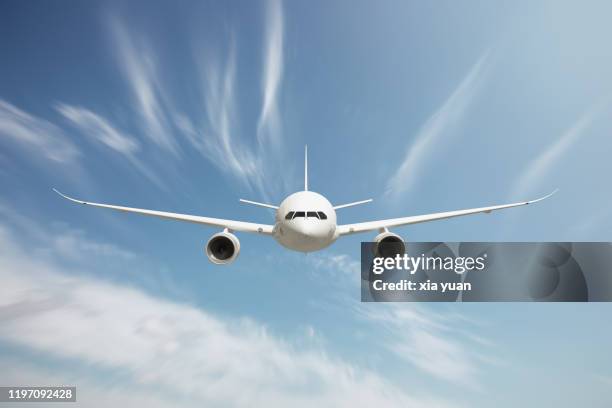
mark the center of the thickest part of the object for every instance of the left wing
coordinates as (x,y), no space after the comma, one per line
(214,222)
(396,222)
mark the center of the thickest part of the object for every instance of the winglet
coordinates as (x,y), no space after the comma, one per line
(542,198)
(69,198)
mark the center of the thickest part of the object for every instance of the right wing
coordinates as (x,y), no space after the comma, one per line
(396,222)
(215,222)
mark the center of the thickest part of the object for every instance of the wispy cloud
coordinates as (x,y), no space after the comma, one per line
(221,142)
(75,245)
(138,65)
(436,128)
(61,241)
(440,345)
(222,139)
(336,262)
(94,126)
(341,269)
(91,393)
(269,125)
(173,348)
(428,340)
(543,163)
(37,135)
(221,136)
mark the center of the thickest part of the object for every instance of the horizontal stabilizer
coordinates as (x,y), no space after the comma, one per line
(274,207)
(337,207)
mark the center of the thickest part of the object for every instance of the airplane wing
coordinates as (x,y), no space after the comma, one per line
(396,222)
(215,222)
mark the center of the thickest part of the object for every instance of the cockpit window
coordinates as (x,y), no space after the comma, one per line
(292,215)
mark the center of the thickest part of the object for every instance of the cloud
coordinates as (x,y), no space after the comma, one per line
(218,136)
(90,394)
(220,142)
(440,124)
(339,269)
(74,244)
(39,136)
(542,164)
(336,262)
(167,347)
(138,66)
(61,241)
(269,124)
(100,129)
(429,341)
(93,125)
(220,139)
(440,345)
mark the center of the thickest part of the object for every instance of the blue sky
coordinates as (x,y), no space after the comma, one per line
(188,107)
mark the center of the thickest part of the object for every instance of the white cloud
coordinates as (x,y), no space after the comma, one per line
(220,142)
(336,262)
(432,342)
(432,133)
(269,125)
(440,345)
(218,136)
(74,244)
(90,394)
(541,165)
(61,241)
(219,139)
(95,126)
(169,347)
(39,136)
(138,66)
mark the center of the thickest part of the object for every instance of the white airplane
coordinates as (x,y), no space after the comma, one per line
(305,221)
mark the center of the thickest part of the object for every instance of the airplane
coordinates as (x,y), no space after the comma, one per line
(305,221)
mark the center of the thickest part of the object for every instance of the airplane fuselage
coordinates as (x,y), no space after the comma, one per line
(305,221)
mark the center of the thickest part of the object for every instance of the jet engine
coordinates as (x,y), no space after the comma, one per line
(388,245)
(222,248)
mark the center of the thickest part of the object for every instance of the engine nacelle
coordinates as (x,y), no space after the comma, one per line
(388,245)
(222,248)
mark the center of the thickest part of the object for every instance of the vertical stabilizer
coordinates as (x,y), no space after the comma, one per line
(306,168)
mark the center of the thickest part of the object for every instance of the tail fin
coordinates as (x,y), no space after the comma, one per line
(306,168)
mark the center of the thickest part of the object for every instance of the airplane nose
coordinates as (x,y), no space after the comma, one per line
(307,229)
(314,230)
